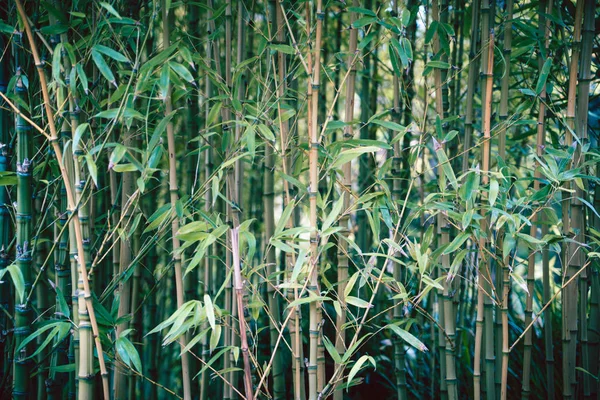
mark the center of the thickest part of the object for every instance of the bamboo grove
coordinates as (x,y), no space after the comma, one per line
(299,199)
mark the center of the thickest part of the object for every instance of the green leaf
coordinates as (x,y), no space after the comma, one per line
(457,242)
(389,125)
(350,154)
(103,67)
(541,83)
(57,62)
(335,211)
(210,310)
(408,337)
(285,216)
(182,71)
(359,23)
(357,366)
(110,9)
(92,168)
(8,178)
(351,284)
(305,300)
(17,278)
(128,353)
(445,164)
(438,64)
(494,189)
(266,133)
(284,48)
(107,51)
(78,134)
(331,350)
(356,302)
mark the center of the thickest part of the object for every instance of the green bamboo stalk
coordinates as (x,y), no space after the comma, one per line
(232,215)
(343,258)
(471,83)
(399,351)
(313,139)
(288,135)
(447,315)
(363,237)
(504,266)
(579,217)
(208,170)
(23,365)
(483,281)
(174,198)
(269,220)
(239,288)
(487,283)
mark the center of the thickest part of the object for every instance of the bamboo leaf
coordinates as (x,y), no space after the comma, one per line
(17,278)
(494,190)
(8,178)
(356,302)
(107,51)
(335,211)
(103,67)
(305,300)
(438,64)
(78,134)
(359,23)
(408,337)
(182,71)
(110,9)
(389,125)
(210,310)
(284,48)
(128,353)
(350,154)
(357,366)
(541,83)
(457,242)
(331,350)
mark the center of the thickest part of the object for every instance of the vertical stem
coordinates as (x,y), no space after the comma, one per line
(174,198)
(314,323)
(237,275)
(507,46)
(22,366)
(343,258)
(399,351)
(269,216)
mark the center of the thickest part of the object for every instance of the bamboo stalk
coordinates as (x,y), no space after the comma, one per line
(399,351)
(174,198)
(294,326)
(471,82)
(483,263)
(269,218)
(208,170)
(507,47)
(24,231)
(579,217)
(239,288)
(313,140)
(448,382)
(343,257)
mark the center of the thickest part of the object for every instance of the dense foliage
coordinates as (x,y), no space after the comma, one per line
(299,199)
